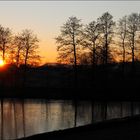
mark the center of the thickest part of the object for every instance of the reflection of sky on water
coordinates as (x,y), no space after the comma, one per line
(41,115)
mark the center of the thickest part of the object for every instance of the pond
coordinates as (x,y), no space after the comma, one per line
(25,117)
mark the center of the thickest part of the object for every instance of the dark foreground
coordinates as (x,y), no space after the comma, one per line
(117,129)
(58,82)
(95,94)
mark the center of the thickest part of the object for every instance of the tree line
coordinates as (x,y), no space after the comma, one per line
(18,49)
(102,41)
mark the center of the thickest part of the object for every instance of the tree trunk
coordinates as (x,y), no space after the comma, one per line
(123,66)
(25,62)
(75,65)
(94,62)
(106,45)
(17,61)
(25,69)
(106,54)
(133,55)
(26,56)
(123,52)
(3,55)
(94,55)
(75,62)
(133,60)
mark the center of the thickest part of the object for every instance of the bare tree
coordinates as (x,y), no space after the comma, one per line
(29,45)
(5,40)
(18,43)
(90,39)
(133,25)
(11,55)
(69,40)
(122,32)
(106,29)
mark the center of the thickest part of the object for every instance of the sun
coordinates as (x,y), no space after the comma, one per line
(1,63)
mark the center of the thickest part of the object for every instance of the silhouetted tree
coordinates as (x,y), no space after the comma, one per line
(133,26)
(29,45)
(28,42)
(90,39)
(11,55)
(122,32)
(5,40)
(69,40)
(106,30)
(18,43)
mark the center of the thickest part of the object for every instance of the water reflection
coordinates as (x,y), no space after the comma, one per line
(21,118)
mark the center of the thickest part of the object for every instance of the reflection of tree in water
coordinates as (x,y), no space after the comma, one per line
(43,116)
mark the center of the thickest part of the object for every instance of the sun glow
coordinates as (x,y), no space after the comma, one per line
(1,63)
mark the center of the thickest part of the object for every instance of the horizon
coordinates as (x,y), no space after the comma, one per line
(46,17)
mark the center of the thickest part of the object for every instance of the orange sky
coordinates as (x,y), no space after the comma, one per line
(48,54)
(46,17)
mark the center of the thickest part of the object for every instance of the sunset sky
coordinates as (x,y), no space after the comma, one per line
(46,17)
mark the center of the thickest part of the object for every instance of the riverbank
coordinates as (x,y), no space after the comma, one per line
(58,82)
(115,129)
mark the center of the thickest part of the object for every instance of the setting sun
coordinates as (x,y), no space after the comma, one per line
(1,63)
